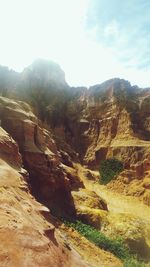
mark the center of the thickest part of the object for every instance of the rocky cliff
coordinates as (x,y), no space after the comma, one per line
(113,120)
(28,238)
(48,130)
(105,121)
(48,179)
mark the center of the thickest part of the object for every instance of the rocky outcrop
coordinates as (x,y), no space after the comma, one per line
(107,120)
(49,181)
(134,182)
(113,122)
(9,150)
(90,208)
(28,238)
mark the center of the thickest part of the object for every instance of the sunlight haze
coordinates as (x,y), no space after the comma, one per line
(92,40)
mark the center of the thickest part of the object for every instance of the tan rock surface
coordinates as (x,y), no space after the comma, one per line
(27,238)
(95,256)
(90,208)
(113,122)
(48,179)
(133,182)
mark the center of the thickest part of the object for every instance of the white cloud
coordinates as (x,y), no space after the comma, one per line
(112,29)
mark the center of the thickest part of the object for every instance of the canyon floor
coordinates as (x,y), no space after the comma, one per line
(126,212)
(117,203)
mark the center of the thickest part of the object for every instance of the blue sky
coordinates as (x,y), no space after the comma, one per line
(92,40)
(123,26)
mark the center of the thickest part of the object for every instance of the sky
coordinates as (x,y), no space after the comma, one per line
(92,40)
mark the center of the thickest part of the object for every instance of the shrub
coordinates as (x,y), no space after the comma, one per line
(116,246)
(109,169)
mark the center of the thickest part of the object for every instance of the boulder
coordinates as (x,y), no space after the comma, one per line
(90,208)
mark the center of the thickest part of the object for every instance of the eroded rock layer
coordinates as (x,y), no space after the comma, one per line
(49,180)
(113,122)
(47,130)
(27,237)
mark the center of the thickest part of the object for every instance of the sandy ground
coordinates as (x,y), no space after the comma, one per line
(117,203)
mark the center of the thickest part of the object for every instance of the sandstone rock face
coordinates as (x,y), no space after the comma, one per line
(130,183)
(48,179)
(27,238)
(9,150)
(107,120)
(113,122)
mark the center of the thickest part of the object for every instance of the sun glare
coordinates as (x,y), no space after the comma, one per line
(57,30)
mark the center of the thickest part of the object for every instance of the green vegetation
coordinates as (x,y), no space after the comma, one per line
(115,246)
(133,262)
(109,169)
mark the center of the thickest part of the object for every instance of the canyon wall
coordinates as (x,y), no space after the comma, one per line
(27,233)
